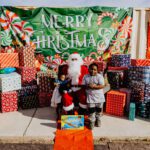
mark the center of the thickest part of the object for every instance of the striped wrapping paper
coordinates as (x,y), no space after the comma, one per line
(26,56)
(9,60)
(139,74)
(120,60)
(147,93)
(137,91)
(116,78)
(140,62)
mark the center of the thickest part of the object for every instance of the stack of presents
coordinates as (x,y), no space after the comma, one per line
(23,87)
(130,87)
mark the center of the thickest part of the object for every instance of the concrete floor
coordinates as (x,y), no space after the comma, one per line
(41,122)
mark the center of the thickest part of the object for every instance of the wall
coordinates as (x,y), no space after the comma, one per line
(141,16)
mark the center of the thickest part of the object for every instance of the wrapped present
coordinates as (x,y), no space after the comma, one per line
(28,102)
(10,82)
(140,62)
(139,74)
(137,91)
(117,68)
(116,78)
(44,99)
(28,90)
(115,103)
(101,65)
(9,101)
(28,75)
(26,56)
(9,60)
(45,82)
(143,109)
(69,122)
(147,93)
(128,97)
(120,60)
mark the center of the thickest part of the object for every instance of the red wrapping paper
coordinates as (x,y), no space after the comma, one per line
(28,75)
(115,103)
(44,99)
(26,56)
(9,101)
(140,62)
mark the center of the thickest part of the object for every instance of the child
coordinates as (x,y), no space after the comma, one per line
(56,97)
(94,84)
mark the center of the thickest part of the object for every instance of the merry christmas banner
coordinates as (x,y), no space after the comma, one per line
(94,32)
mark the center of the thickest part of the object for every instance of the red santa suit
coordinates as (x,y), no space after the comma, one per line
(79,95)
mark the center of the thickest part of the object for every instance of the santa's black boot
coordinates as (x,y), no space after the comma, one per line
(82,111)
(70,112)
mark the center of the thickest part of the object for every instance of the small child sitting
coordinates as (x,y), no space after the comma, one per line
(60,86)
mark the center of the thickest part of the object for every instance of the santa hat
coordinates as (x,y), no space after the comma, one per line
(67,102)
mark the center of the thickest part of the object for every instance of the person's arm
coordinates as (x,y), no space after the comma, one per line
(100,85)
(96,87)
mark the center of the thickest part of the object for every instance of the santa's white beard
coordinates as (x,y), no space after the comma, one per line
(74,71)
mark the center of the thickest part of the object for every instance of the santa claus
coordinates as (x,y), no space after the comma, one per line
(75,71)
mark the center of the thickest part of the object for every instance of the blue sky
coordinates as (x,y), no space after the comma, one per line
(76,3)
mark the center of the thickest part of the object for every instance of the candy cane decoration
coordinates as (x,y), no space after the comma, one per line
(88,60)
(27,31)
(10,22)
(5,38)
(106,14)
(49,59)
(93,53)
(58,61)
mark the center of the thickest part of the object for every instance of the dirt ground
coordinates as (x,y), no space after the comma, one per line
(99,144)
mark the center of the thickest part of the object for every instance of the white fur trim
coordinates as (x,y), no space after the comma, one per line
(68,107)
(83,106)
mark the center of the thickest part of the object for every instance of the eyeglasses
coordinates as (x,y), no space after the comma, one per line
(74,59)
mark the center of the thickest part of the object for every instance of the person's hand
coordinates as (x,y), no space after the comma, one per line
(91,86)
